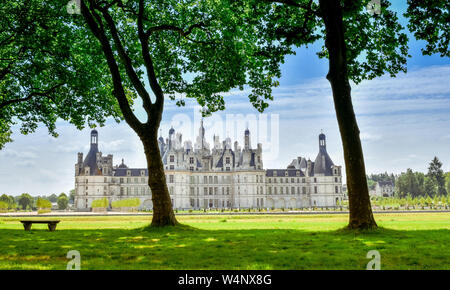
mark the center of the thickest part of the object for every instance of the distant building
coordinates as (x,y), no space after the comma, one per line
(383,188)
(222,177)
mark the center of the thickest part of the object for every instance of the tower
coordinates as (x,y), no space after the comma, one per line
(247,145)
(322,142)
(94,138)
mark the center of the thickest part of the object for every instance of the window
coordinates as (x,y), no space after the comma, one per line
(336,189)
(227,169)
(191,160)
(171,167)
(227,160)
(172,158)
(191,168)
(315,180)
(315,189)
(171,178)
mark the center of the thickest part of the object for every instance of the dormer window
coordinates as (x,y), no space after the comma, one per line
(172,158)
(128,173)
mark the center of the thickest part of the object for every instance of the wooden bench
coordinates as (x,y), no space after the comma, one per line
(51,224)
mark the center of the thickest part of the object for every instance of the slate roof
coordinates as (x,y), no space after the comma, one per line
(282,172)
(133,171)
(91,160)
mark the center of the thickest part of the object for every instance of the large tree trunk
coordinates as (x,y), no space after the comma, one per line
(361,216)
(163,214)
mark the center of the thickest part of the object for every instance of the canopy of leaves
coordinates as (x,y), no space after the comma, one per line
(196,49)
(63,201)
(429,20)
(49,70)
(375,43)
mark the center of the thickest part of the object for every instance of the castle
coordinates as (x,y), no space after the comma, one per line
(221,177)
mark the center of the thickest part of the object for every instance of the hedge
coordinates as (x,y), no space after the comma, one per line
(103,202)
(129,202)
(43,203)
(3,205)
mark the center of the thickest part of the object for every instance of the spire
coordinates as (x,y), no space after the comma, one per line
(322,141)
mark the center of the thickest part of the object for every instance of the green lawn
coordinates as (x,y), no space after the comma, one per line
(405,241)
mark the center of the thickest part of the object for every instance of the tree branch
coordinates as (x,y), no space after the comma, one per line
(31,95)
(119,93)
(128,63)
(153,81)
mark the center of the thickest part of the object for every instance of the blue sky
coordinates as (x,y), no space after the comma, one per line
(403,121)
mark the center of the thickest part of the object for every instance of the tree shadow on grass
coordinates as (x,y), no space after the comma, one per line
(187,247)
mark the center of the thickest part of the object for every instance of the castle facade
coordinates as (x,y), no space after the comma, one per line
(223,176)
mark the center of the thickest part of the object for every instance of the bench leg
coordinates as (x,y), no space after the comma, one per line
(27,226)
(51,227)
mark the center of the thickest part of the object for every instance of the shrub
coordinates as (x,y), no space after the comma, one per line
(103,202)
(129,202)
(3,206)
(40,211)
(43,204)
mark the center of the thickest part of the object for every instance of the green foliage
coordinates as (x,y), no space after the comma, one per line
(72,196)
(410,183)
(49,70)
(9,200)
(3,205)
(103,202)
(429,21)
(436,176)
(53,198)
(43,203)
(25,201)
(129,202)
(63,201)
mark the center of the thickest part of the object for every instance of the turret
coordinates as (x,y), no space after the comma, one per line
(247,145)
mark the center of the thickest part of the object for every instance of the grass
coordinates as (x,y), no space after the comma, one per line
(405,241)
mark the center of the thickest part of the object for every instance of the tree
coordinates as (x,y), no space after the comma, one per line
(72,196)
(436,175)
(63,201)
(447,182)
(430,188)
(358,46)
(53,198)
(194,49)
(410,183)
(25,201)
(428,20)
(48,70)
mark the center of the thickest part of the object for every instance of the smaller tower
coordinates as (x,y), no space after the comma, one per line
(94,138)
(247,145)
